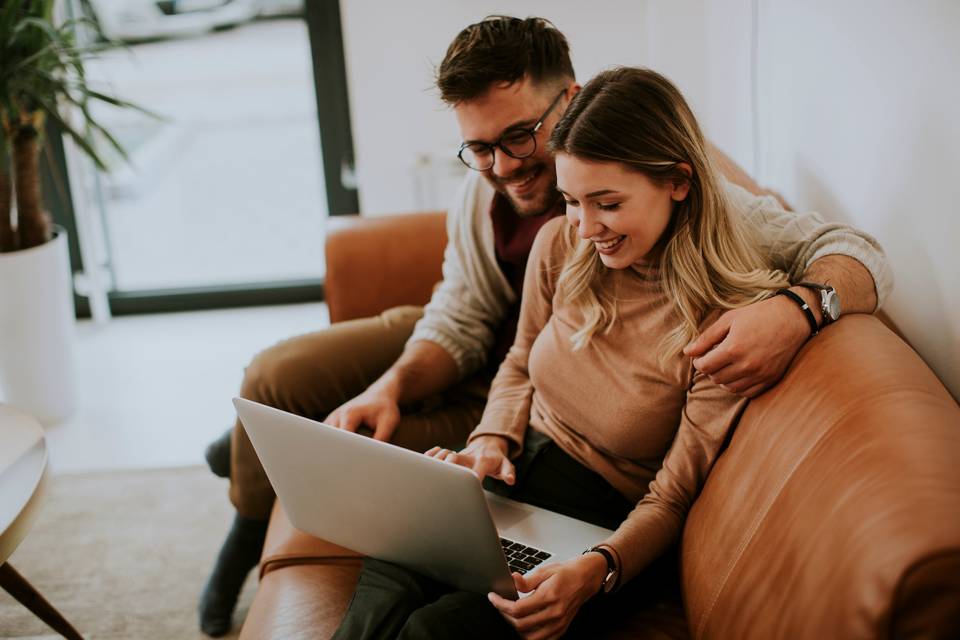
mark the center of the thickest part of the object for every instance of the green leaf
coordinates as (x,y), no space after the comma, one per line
(124,104)
(42,65)
(53,34)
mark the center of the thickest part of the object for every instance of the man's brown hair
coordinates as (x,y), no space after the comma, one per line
(502,50)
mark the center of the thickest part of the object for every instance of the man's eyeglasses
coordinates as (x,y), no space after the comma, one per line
(517,143)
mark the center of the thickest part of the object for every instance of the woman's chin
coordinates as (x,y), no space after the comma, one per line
(614,262)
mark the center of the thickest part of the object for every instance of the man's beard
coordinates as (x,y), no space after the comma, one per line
(539,202)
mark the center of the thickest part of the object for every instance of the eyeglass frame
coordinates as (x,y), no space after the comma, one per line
(493,146)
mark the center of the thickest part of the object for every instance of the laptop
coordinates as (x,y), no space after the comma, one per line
(404,507)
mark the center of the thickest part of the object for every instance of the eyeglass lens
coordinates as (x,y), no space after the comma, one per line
(516,144)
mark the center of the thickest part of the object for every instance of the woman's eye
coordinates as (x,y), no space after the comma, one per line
(570,203)
(612,206)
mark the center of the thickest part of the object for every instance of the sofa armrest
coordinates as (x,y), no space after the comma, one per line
(374,264)
(836,507)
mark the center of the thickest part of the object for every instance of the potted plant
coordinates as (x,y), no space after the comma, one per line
(41,78)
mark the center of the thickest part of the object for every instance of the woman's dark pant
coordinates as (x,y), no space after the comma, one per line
(393,602)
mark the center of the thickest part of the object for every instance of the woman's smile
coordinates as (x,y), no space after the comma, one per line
(609,247)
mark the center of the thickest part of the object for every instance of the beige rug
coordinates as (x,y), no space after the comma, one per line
(123,555)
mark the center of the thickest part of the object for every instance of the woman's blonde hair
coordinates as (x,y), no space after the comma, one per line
(636,117)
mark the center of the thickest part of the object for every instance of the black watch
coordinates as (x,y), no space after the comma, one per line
(829,300)
(612,578)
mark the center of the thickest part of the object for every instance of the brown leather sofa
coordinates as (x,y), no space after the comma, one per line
(834,513)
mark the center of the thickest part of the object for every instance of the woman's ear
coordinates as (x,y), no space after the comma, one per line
(682,187)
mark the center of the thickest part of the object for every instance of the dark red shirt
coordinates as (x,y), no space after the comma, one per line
(512,238)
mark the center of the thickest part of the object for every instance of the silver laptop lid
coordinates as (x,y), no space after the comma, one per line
(379,499)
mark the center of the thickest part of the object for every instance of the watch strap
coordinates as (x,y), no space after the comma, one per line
(807,312)
(612,566)
(814,285)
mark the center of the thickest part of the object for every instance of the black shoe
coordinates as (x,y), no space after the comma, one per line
(218,455)
(240,553)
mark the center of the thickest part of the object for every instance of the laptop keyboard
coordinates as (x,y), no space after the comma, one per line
(521,558)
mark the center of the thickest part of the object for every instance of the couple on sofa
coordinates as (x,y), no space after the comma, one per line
(625,337)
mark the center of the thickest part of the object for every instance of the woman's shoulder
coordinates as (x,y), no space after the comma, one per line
(549,251)
(550,243)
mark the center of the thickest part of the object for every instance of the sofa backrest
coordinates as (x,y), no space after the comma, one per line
(380,262)
(835,510)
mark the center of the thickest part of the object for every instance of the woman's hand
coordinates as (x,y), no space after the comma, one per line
(559,590)
(485,456)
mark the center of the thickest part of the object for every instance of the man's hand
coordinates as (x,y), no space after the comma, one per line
(485,456)
(747,350)
(558,592)
(375,408)
(423,369)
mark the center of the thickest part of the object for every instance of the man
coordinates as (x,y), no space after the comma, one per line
(418,378)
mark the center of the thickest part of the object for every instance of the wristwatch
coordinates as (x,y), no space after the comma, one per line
(829,300)
(612,578)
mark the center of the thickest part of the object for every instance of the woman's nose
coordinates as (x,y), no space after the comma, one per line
(588,226)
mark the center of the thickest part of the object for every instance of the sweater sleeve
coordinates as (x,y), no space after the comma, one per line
(473,296)
(794,240)
(709,413)
(507,412)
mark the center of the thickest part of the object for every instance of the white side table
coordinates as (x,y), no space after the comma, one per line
(23,481)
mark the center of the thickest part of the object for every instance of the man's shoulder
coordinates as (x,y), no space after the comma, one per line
(737,197)
(469,227)
(749,204)
(472,202)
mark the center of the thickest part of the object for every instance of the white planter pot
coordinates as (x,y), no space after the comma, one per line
(38,331)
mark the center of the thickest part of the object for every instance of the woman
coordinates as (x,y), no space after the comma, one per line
(595,412)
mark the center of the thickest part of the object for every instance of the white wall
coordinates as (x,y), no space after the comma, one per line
(856,112)
(855,116)
(859,120)
(391,50)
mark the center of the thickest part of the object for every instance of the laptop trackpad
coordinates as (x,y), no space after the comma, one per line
(505,513)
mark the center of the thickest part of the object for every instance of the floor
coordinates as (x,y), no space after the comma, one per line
(155,389)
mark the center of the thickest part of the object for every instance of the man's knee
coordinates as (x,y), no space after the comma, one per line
(280,374)
(405,316)
(329,367)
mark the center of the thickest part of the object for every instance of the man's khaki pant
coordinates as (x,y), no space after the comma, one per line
(313,374)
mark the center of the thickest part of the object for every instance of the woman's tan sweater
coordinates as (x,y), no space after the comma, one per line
(652,431)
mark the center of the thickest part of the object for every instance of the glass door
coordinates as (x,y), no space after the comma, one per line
(225,197)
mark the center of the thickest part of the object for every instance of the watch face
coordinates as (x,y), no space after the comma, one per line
(610,581)
(832,306)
